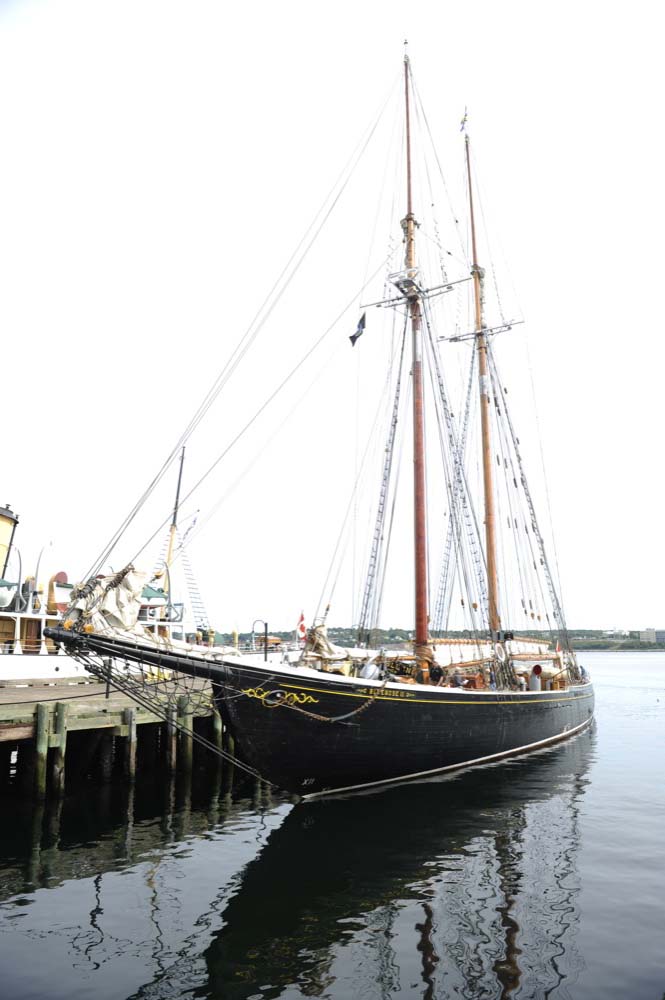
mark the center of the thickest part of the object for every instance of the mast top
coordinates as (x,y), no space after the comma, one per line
(409,203)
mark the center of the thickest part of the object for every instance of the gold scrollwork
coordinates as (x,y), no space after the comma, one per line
(278,697)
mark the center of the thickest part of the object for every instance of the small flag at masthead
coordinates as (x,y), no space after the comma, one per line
(359,330)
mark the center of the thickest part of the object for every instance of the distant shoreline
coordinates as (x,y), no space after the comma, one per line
(618,647)
(582,640)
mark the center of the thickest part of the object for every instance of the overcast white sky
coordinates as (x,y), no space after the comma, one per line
(160,160)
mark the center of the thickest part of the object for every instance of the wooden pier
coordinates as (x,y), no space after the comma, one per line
(38,720)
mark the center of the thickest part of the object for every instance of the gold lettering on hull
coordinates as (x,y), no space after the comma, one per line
(278,697)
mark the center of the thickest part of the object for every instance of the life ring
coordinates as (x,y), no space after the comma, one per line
(500,652)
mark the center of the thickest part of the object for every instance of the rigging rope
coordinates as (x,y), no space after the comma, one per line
(383,567)
(261,409)
(458,505)
(378,536)
(278,289)
(349,509)
(447,575)
(461,507)
(139,693)
(544,472)
(420,107)
(556,604)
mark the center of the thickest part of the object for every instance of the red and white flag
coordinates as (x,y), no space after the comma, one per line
(301,631)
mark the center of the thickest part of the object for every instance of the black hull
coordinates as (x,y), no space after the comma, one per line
(314,735)
(383,735)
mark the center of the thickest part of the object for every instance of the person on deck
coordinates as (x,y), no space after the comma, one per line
(534,679)
(436,675)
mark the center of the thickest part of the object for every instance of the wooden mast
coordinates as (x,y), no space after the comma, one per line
(420,527)
(174,519)
(485,403)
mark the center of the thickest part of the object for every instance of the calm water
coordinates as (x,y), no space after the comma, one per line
(543,877)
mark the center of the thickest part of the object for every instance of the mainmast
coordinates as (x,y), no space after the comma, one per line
(485,403)
(420,527)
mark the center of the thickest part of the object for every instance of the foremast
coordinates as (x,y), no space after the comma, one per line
(420,525)
(485,403)
(174,527)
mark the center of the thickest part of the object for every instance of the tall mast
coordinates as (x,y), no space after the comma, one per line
(420,528)
(485,403)
(174,519)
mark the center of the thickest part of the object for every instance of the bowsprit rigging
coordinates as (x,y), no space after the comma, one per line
(159,691)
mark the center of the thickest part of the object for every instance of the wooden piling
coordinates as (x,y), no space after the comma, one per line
(229,742)
(59,744)
(217,762)
(129,720)
(51,836)
(128,831)
(171,738)
(32,728)
(34,859)
(217,729)
(186,722)
(41,750)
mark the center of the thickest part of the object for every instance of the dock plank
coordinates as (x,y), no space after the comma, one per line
(88,706)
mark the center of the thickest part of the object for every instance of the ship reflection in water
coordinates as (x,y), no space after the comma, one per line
(466,887)
(459,887)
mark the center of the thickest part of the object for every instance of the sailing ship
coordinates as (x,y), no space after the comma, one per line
(324,718)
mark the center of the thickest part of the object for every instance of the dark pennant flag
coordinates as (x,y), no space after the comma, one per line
(359,330)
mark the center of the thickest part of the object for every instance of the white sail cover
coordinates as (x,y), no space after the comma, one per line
(113,603)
